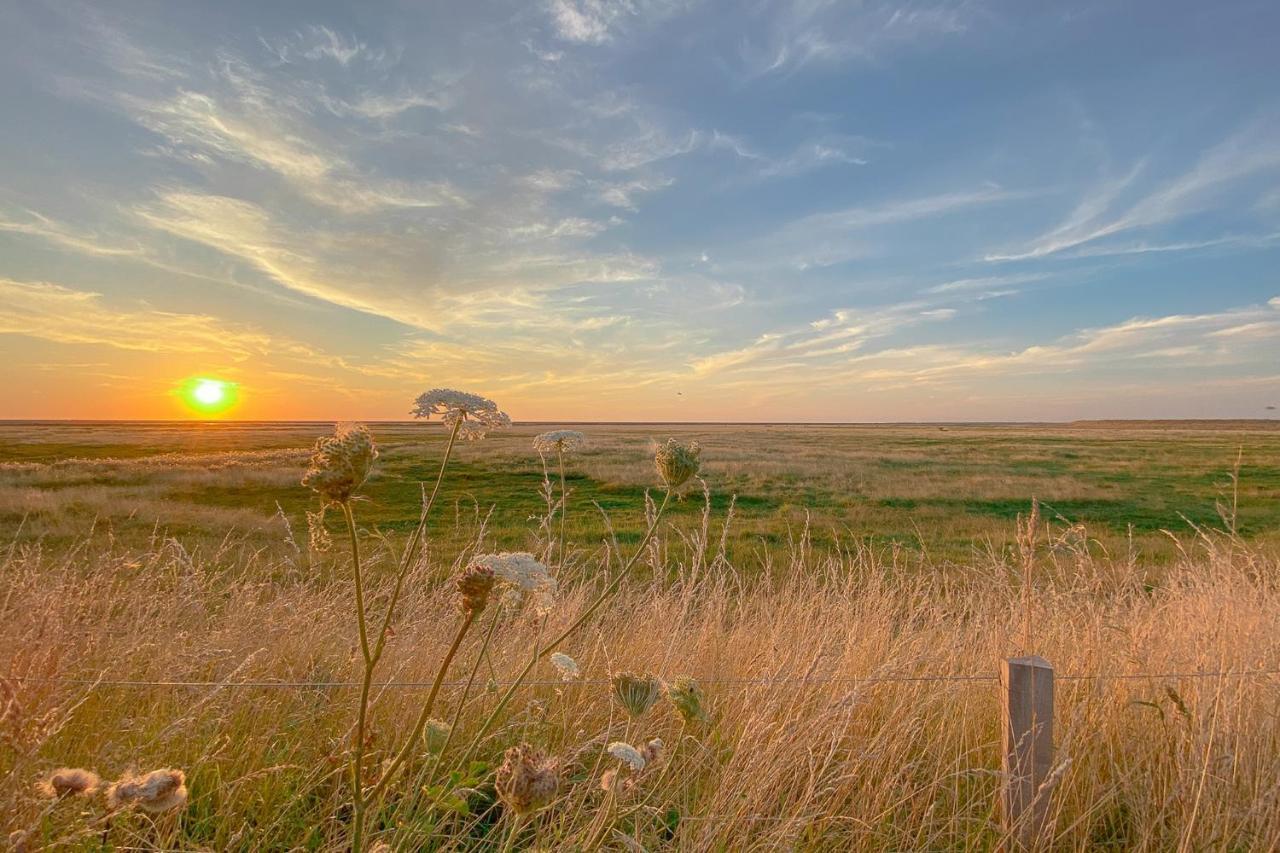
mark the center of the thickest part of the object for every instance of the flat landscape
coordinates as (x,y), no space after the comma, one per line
(842,596)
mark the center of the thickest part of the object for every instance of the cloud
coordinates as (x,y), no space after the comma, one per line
(37,225)
(599,21)
(1113,209)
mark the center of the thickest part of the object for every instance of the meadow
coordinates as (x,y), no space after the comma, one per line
(842,595)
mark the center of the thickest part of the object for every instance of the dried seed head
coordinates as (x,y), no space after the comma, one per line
(318,537)
(155,792)
(559,441)
(636,693)
(69,782)
(527,780)
(474,585)
(685,694)
(341,463)
(566,666)
(677,462)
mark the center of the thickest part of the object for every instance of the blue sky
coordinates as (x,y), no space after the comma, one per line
(637,210)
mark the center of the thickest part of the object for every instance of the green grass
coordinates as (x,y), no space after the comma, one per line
(914,487)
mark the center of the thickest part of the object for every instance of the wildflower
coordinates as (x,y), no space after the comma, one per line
(677,462)
(435,734)
(652,751)
(566,666)
(472,414)
(521,572)
(527,780)
(68,782)
(155,792)
(636,693)
(628,755)
(559,441)
(685,694)
(340,463)
(474,585)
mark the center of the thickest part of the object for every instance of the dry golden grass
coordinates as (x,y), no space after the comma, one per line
(801,754)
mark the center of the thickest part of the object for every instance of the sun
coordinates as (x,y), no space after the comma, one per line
(208,396)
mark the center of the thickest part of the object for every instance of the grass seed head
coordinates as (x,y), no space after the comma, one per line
(677,463)
(69,782)
(636,693)
(154,792)
(341,463)
(527,780)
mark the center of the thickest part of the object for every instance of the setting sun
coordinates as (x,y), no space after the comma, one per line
(208,396)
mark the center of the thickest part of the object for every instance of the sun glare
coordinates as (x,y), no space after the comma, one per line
(208,396)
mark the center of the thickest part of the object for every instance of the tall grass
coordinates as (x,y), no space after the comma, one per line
(815,740)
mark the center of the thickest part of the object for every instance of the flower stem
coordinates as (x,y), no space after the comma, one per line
(357,757)
(577,623)
(564,507)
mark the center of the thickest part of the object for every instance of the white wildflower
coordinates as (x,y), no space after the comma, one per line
(474,415)
(559,441)
(523,575)
(628,755)
(566,666)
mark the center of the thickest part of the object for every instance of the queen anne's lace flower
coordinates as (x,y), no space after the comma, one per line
(566,666)
(522,574)
(474,415)
(636,693)
(628,755)
(559,441)
(677,462)
(341,462)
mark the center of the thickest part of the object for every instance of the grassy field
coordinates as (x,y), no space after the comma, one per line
(843,594)
(948,491)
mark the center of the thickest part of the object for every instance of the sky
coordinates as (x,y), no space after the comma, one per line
(642,209)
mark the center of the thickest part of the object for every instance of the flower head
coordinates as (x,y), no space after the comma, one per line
(527,780)
(566,666)
(628,755)
(474,585)
(154,792)
(473,415)
(435,734)
(677,462)
(68,782)
(341,462)
(685,694)
(522,574)
(636,693)
(559,441)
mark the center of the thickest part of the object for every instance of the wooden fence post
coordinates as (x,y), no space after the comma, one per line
(1027,705)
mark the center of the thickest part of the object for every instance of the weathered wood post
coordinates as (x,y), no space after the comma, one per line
(1027,686)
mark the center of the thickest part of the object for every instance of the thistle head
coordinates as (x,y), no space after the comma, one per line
(341,463)
(677,463)
(473,415)
(154,792)
(685,694)
(559,441)
(527,780)
(69,782)
(636,693)
(474,585)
